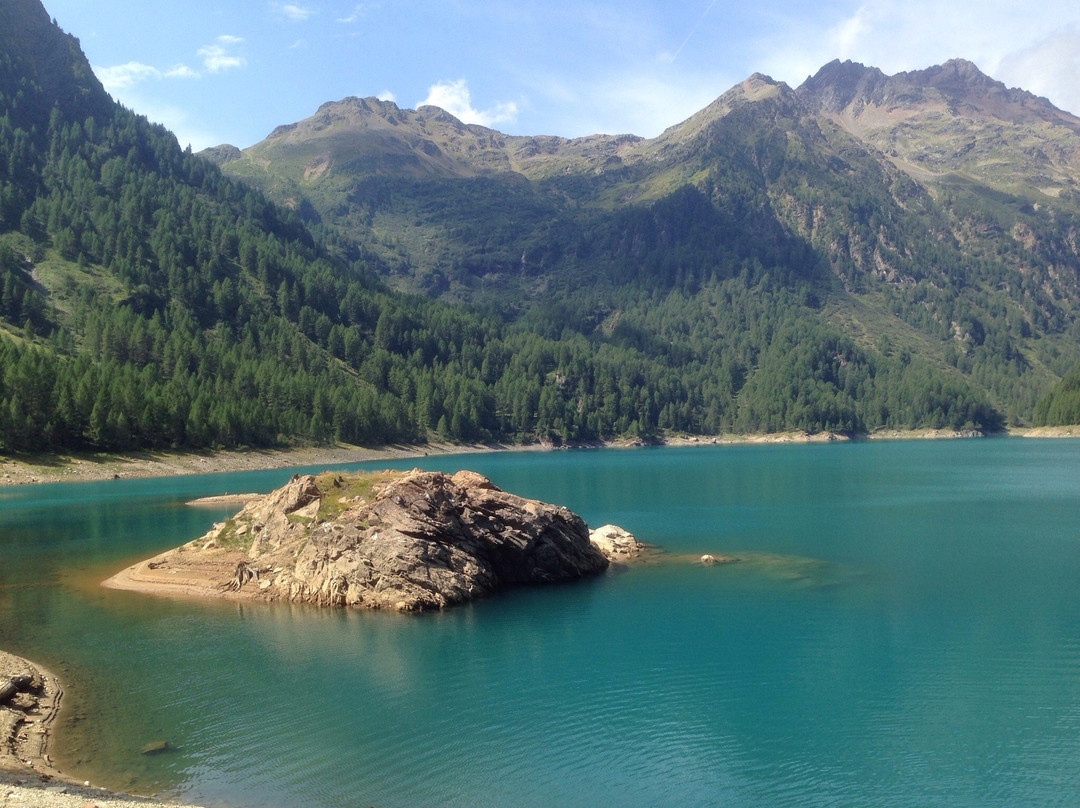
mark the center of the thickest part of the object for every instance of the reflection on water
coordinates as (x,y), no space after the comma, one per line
(902,627)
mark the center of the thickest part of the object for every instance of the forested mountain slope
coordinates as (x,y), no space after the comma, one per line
(756,268)
(148,301)
(932,216)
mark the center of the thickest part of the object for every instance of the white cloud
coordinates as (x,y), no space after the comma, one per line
(846,36)
(181,71)
(177,121)
(455,98)
(119,78)
(359,10)
(1048,68)
(217,58)
(641,104)
(900,35)
(291,11)
(386,95)
(123,77)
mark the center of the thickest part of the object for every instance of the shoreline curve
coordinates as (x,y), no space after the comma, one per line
(28,775)
(38,469)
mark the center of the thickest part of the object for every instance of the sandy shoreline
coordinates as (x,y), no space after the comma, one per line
(27,774)
(178,579)
(86,467)
(26,717)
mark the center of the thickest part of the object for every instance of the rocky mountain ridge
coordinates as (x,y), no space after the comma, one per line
(947,118)
(953,119)
(378,137)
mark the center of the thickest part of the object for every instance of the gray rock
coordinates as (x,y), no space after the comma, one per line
(425,540)
(617,544)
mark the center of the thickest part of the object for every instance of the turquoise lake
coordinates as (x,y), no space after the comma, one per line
(903,630)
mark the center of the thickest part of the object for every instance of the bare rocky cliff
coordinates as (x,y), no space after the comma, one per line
(410,541)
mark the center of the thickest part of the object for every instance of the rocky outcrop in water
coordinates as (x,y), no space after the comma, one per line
(409,541)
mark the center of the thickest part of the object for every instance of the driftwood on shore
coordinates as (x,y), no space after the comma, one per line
(29,700)
(14,685)
(243,573)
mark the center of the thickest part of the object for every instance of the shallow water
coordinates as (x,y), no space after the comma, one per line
(904,630)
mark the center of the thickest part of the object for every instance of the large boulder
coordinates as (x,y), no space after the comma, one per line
(617,545)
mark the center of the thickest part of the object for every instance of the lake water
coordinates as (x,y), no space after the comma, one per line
(903,630)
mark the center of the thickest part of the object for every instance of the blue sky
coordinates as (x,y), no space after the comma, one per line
(229,71)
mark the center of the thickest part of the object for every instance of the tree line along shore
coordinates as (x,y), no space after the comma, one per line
(86,467)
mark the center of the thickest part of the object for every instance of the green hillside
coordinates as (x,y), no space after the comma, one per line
(929,217)
(757,268)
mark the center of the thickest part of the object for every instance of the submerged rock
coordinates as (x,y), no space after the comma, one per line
(709,560)
(400,540)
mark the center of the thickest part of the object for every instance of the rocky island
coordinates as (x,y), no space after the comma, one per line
(409,541)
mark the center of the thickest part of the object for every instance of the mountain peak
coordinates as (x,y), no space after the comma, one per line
(352,103)
(963,66)
(839,72)
(966,122)
(758,79)
(350,110)
(847,87)
(958,77)
(838,83)
(756,87)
